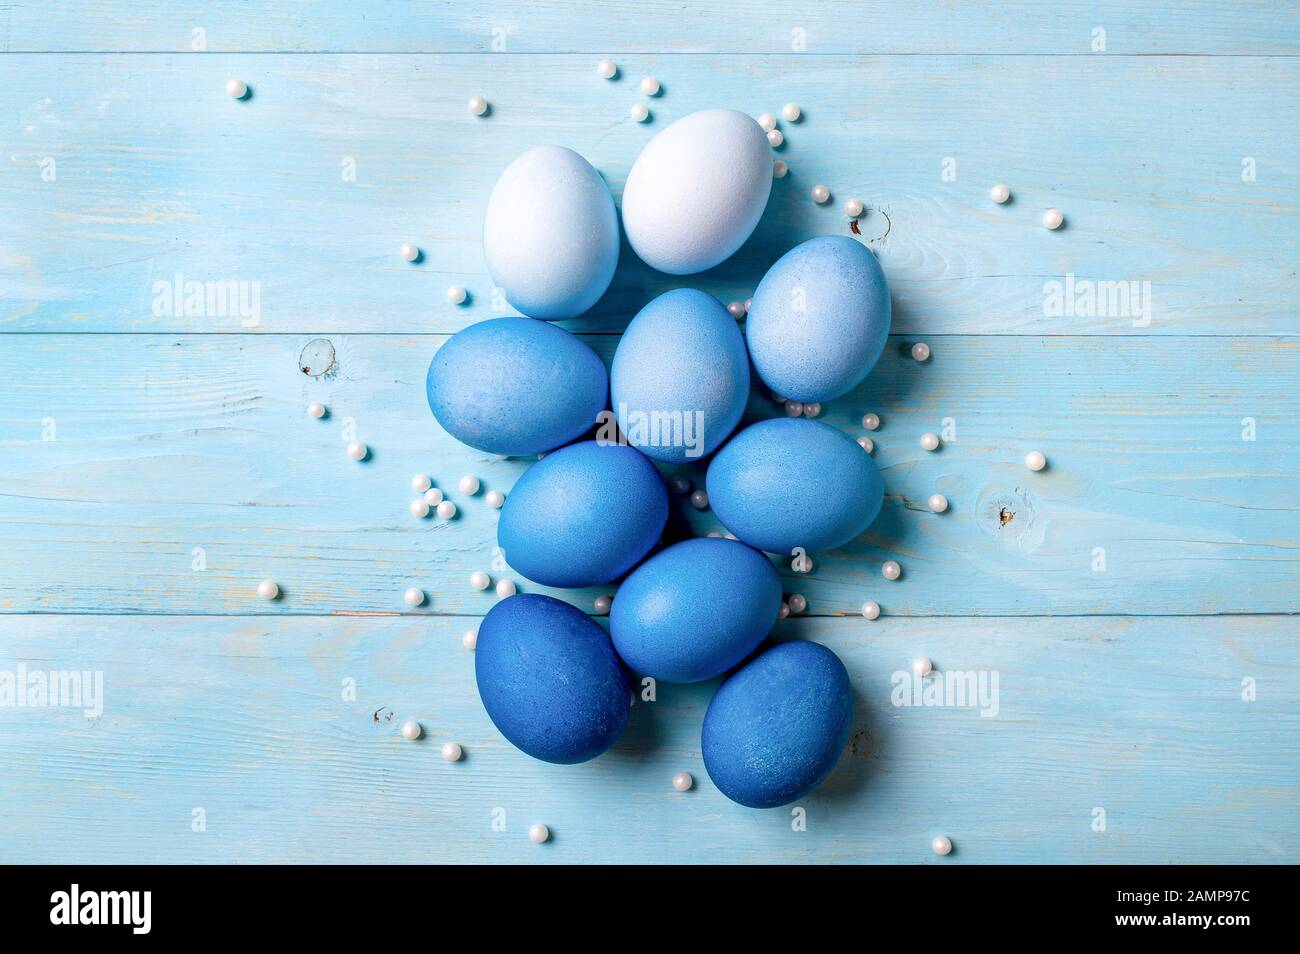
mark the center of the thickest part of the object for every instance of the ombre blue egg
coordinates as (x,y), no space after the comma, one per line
(819,319)
(695,610)
(680,377)
(583,515)
(516,386)
(550,680)
(777,726)
(790,484)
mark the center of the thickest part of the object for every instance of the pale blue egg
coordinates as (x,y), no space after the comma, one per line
(550,235)
(516,386)
(819,319)
(790,484)
(775,729)
(695,610)
(583,515)
(680,377)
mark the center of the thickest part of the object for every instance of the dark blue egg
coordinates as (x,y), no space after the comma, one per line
(583,515)
(695,610)
(792,483)
(776,727)
(516,386)
(550,680)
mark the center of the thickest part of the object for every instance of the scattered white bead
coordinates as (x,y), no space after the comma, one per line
(867,444)
(456,294)
(268,589)
(411,729)
(639,112)
(1034,460)
(603,603)
(478,105)
(682,485)
(316,409)
(469,638)
(785,610)
(941,845)
(433,496)
(649,86)
(414,596)
(451,751)
(921,351)
(237,89)
(797,603)
(812,410)
(775,138)
(538,834)
(420,483)
(871,421)
(495,499)
(606,69)
(736,309)
(419,508)
(1053,219)
(938,503)
(446,510)
(358,450)
(930,441)
(791,112)
(506,588)
(820,194)
(767,121)
(793,408)
(891,570)
(699,499)
(922,667)
(780,168)
(469,485)
(410,252)
(480,580)
(854,208)
(871,610)
(1000,194)
(683,782)
(748,302)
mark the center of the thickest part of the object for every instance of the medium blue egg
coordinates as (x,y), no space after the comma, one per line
(695,610)
(776,727)
(550,680)
(516,386)
(550,235)
(819,319)
(585,514)
(680,377)
(792,483)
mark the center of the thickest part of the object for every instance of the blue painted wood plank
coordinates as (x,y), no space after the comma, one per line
(125,172)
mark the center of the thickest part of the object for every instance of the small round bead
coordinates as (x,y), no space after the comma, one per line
(411,729)
(1053,219)
(767,121)
(316,409)
(456,294)
(649,86)
(736,309)
(683,782)
(433,496)
(938,503)
(793,408)
(237,89)
(451,751)
(268,589)
(358,450)
(538,834)
(780,168)
(797,603)
(682,485)
(1035,460)
(469,638)
(871,421)
(921,351)
(446,510)
(480,580)
(419,508)
(867,444)
(812,410)
(930,441)
(891,570)
(414,596)
(775,138)
(606,69)
(410,252)
(469,485)
(820,194)
(506,588)
(854,208)
(747,303)
(922,667)
(1000,194)
(420,483)
(495,499)
(790,112)
(639,112)
(603,603)
(871,610)
(699,499)
(941,845)
(478,105)
(785,610)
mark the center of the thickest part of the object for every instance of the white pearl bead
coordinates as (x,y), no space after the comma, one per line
(1053,219)
(791,112)
(649,86)
(410,252)
(316,409)
(237,89)
(538,834)
(414,596)
(775,138)
(921,351)
(420,483)
(871,610)
(1034,460)
(682,485)
(419,508)
(469,485)
(793,408)
(446,510)
(1000,194)
(451,751)
(479,580)
(780,168)
(683,782)
(871,421)
(433,496)
(785,610)
(699,499)
(506,588)
(930,441)
(639,112)
(456,294)
(469,638)
(797,603)
(411,729)
(812,410)
(854,208)
(268,589)
(495,499)
(478,105)
(867,444)
(603,603)
(748,302)
(938,503)
(922,667)
(941,845)
(820,194)
(736,309)
(358,451)
(606,69)
(767,121)
(891,570)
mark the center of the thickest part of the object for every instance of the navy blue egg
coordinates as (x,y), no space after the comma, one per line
(550,680)
(819,319)
(585,514)
(680,377)
(776,727)
(695,610)
(516,386)
(790,483)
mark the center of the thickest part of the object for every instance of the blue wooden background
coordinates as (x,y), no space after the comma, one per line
(1139,606)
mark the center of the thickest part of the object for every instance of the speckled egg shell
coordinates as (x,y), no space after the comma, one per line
(680,377)
(695,610)
(697,191)
(819,319)
(585,514)
(777,726)
(791,482)
(516,386)
(550,235)
(550,680)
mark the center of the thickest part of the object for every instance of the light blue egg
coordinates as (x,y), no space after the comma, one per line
(791,483)
(777,726)
(550,235)
(516,386)
(550,680)
(583,515)
(819,319)
(680,377)
(695,610)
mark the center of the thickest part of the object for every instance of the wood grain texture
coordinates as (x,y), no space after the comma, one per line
(158,174)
